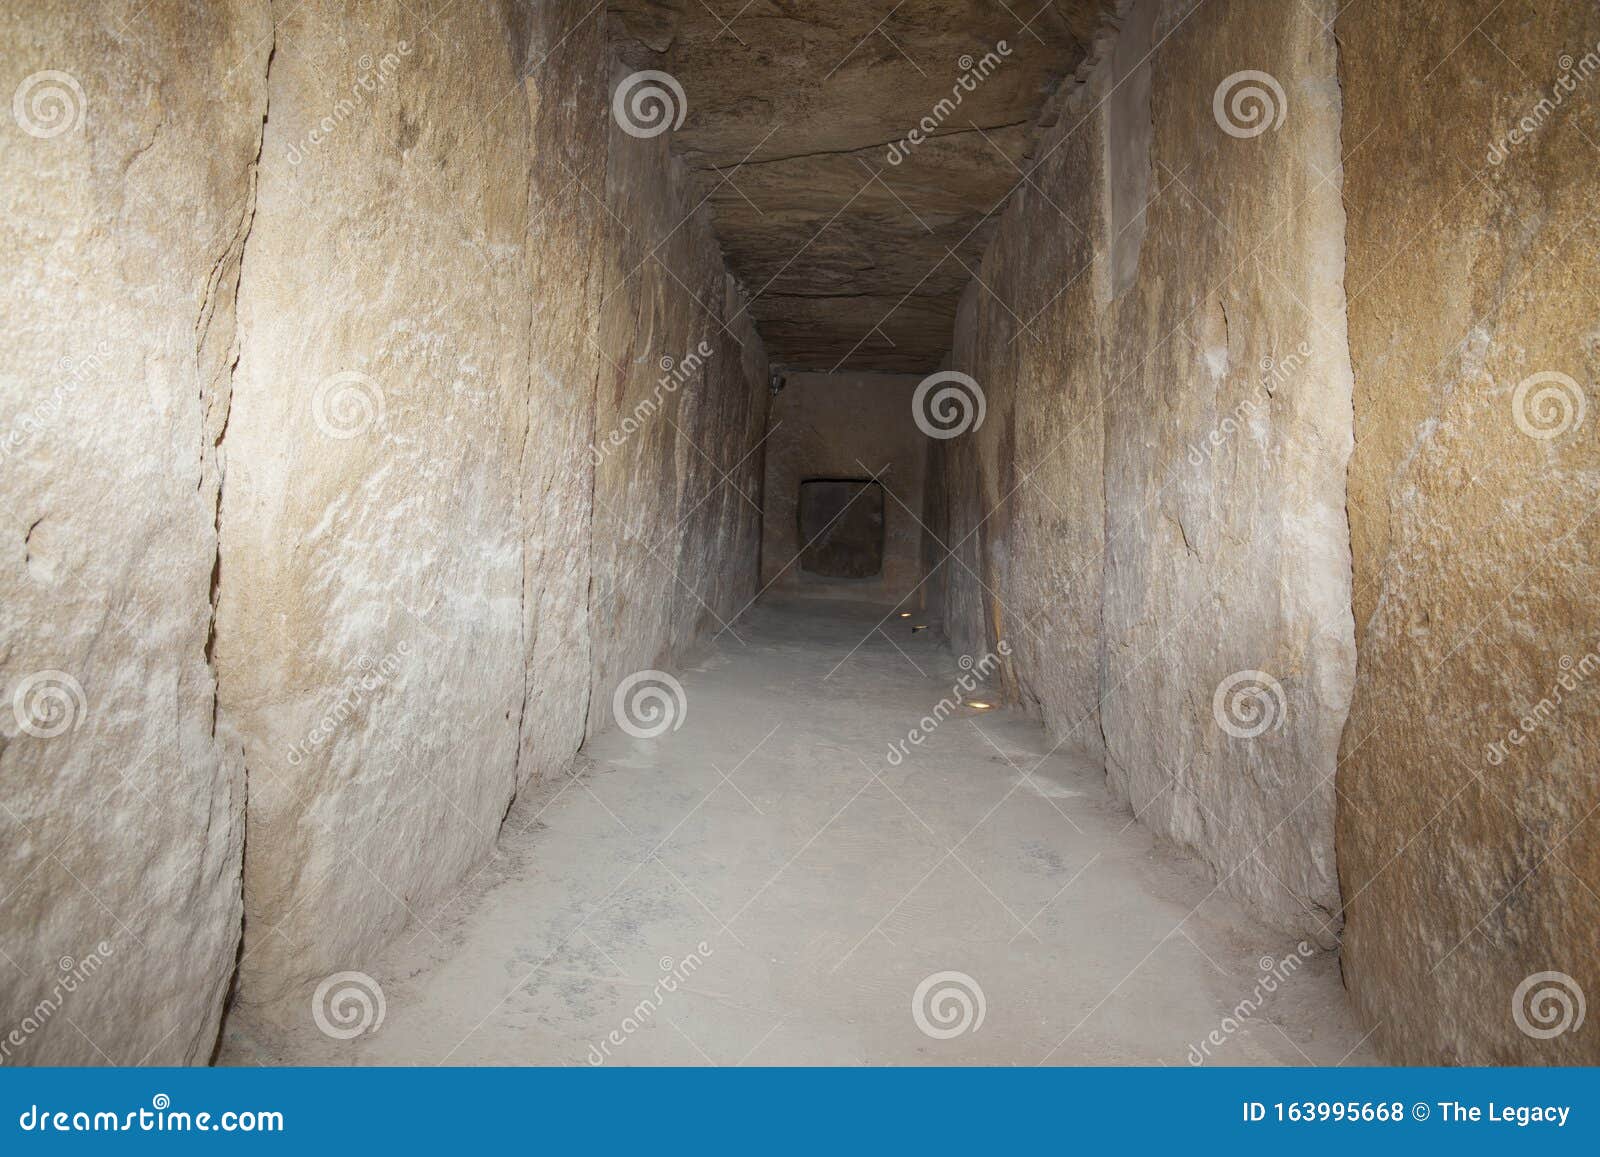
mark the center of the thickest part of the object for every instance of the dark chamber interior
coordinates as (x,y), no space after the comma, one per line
(841,525)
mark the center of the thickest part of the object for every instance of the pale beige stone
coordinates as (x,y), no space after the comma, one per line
(1216,542)
(464,542)
(123,815)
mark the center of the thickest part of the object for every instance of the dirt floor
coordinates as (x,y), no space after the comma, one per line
(765,886)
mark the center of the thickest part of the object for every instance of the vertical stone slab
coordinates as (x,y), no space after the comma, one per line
(678,418)
(1155,504)
(1029,549)
(966,465)
(127,181)
(370,634)
(1227,625)
(566,72)
(1228,429)
(1469,847)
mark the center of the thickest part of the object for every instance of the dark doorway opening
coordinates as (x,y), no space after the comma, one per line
(841,525)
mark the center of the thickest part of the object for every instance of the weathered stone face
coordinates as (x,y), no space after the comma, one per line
(369,632)
(681,401)
(471,556)
(127,180)
(1469,853)
(845,426)
(378,402)
(406,412)
(1152,513)
(804,127)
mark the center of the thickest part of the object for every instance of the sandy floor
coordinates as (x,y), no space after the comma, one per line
(762,887)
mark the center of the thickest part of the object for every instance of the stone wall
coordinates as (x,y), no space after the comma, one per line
(127,179)
(1153,512)
(390,329)
(855,426)
(681,406)
(1468,848)
(369,631)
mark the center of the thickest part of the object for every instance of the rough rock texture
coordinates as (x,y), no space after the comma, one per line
(414,593)
(565,71)
(680,414)
(347,378)
(792,113)
(122,821)
(370,629)
(1469,867)
(845,426)
(1194,309)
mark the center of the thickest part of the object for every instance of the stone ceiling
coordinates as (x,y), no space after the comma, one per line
(855,261)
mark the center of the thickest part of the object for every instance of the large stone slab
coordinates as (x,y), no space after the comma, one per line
(370,631)
(1469,850)
(1153,513)
(430,548)
(127,180)
(1229,654)
(679,417)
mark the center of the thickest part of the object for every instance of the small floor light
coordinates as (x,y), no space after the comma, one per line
(905,614)
(979,705)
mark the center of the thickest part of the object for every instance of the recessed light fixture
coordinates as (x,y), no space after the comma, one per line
(919,627)
(979,705)
(905,614)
